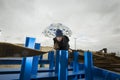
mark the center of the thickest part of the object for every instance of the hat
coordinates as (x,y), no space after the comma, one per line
(59,33)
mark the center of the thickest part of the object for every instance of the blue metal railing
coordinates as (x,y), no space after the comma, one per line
(59,66)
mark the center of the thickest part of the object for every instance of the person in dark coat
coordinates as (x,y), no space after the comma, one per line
(61,42)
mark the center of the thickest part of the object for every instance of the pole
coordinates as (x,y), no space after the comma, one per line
(27,62)
(88,65)
(75,43)
(0,32)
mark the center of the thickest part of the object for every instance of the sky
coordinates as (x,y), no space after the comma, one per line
(95,23)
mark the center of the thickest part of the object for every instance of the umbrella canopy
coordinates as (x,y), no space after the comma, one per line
(51,30)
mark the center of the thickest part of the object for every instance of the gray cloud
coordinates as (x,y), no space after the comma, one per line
(94,22)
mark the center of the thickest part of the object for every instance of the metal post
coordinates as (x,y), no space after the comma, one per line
(0,32)
(75,43)
(51,59)
(57,61)
(26,67)
(75,64)
(63,66)
(41,57)
(88,62)
(35,62)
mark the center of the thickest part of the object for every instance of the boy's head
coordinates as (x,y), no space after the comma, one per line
(59,35)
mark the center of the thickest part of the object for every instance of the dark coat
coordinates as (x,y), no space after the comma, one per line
(63,45)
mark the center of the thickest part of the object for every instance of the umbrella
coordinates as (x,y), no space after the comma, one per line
(51,30)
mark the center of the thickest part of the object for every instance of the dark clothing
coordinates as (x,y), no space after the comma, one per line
(63,45)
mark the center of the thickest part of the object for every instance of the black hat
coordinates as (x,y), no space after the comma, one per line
(59,33)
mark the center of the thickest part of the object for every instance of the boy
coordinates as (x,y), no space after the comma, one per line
(61,42)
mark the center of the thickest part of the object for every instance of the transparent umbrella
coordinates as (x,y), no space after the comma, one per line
(51,30)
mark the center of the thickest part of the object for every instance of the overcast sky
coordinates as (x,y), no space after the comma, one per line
(96,23)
